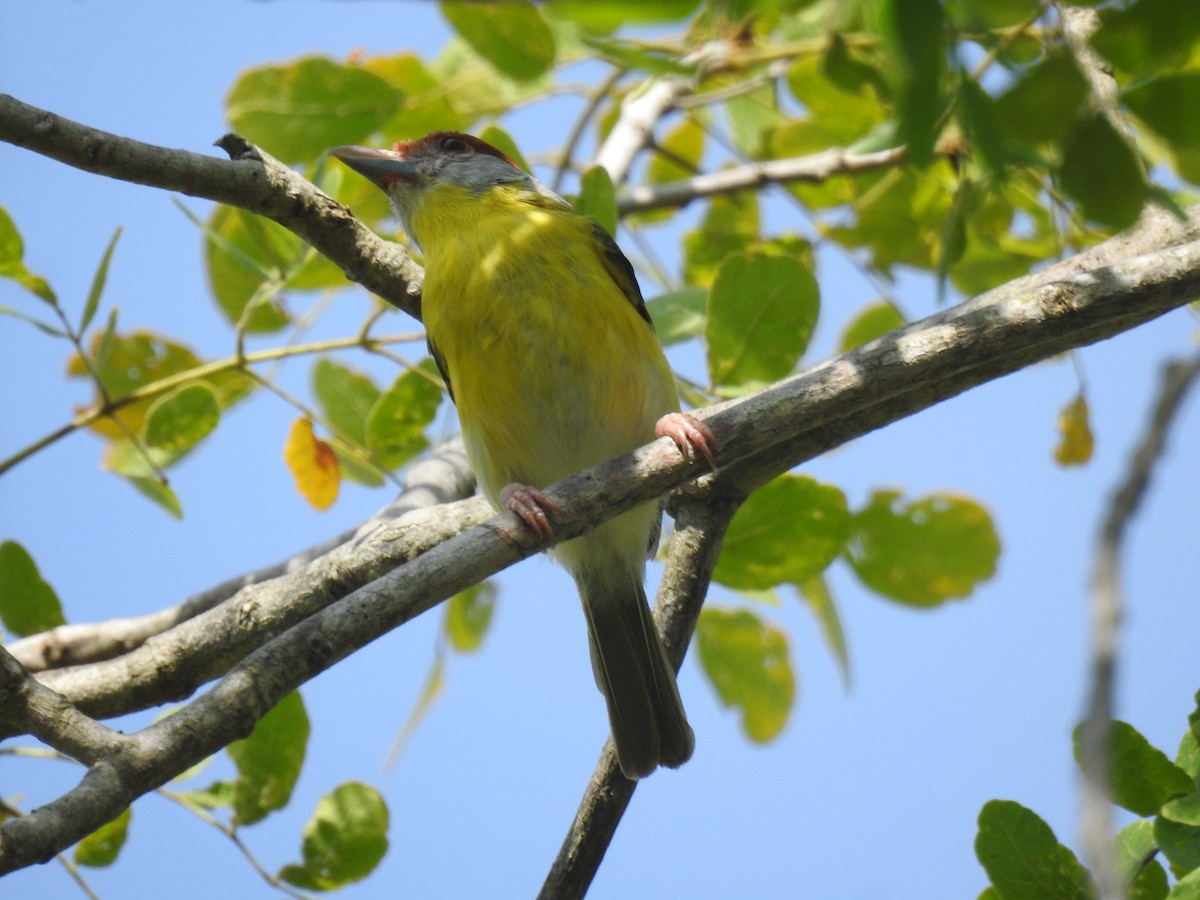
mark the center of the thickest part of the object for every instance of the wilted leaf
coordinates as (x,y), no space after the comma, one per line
(1024,860)
(922,552)
(1075,443)
(313,465)
(269,761)
(787,531)
(747,662)
(100,848)
(28,605)
(761,313)
(343,841)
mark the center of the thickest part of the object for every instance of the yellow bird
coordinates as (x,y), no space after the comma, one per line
(535,320)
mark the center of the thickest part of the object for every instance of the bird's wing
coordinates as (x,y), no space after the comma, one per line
(618,267)
(440,362)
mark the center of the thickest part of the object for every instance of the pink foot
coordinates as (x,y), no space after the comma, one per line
(689,434)
(531,505)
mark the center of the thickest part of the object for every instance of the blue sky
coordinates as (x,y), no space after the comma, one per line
(869,793)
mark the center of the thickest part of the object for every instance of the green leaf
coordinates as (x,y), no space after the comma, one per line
(679,315)
(1170,106)
(161,494)
(1101,171)
(179,420)
(346,397)
(247,258)
(597,198)
(426,106)
(1187,888)
(915,33)
(750,116)
(789,530)
(100,848)
(977,115)
(1179,843)
(868,323)
(1184,810)
(502,141)
(41,326)
(1188,755)
(12,265)
(1023,859)
(1042,105)
(817,595)
(1134,846)
(606,17)
(678,154)
(435,682)
(747,662)
(512,36)
(468,615)
(98,280)
(28,605)
(922,552)
(1143,778)
(761,313)
(1151,883)
(397,419)
(730,226)
(343,841)
(298,111)
(269,761)
(1145,37)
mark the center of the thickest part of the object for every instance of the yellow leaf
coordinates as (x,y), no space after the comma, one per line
(313,464)
(1075,442)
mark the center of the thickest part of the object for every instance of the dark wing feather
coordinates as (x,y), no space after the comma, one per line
(619,268)
(440,362)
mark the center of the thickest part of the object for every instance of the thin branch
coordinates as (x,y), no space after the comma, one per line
(230,364)
(251,180)
(815,168)
(700,523)
(640,113)
(1106,613)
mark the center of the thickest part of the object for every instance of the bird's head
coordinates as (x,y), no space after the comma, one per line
(408,171)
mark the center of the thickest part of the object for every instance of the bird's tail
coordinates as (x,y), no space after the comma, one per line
(649,726)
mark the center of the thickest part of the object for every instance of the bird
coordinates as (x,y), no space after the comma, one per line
(535,320)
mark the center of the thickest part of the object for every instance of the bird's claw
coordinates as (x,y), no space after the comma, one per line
(689,434)
(531,506)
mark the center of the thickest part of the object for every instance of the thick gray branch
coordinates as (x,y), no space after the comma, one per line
(441,478)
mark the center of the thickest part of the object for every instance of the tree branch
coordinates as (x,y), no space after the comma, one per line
(251,180)
(439,479)
(1095,823)
(814,168)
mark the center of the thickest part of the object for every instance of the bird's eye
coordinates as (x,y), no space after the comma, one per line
(454,144)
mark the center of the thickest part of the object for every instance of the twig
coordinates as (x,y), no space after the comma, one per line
(1107,606)
(700,526)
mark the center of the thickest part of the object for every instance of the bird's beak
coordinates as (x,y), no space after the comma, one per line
(383,167)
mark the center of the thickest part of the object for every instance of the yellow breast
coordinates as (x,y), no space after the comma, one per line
(553,368)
